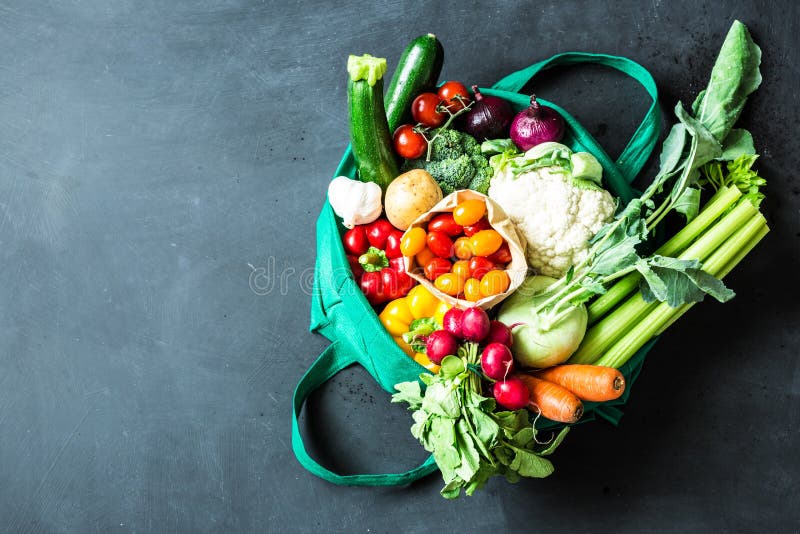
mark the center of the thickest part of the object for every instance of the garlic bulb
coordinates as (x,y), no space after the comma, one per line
(355,202)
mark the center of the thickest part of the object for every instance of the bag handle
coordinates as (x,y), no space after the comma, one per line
(634,156)
(332,360)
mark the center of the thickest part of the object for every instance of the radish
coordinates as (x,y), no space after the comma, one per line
(499,333)
(497,361)
(511,393)
(452,322)
(439,344)
(474,324)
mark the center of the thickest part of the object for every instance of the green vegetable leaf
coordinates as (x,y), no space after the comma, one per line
(452,366)
(443,447)
(486,429)
(529,464)
(499,146)
(441,399)
(739,142)
(735,75)
(678,282)
(409,392)
(470,458)
(688,203)
(553,445)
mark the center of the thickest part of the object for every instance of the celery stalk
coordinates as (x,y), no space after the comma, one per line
(613,326)
(663,315)
(728,268)
(714,208)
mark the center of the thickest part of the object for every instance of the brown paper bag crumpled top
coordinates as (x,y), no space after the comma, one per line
(517,269)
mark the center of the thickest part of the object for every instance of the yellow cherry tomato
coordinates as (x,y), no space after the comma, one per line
(421,302)
(462,248)
(472,290)
(494,283)
(449,284)
(461,268)
(469,212)
(486,242)
(413,241)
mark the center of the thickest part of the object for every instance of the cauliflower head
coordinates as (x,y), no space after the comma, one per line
(556,210)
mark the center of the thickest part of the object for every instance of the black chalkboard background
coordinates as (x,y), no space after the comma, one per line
(161,168)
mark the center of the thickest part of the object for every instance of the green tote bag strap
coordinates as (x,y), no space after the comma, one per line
(644,139)
(332,360)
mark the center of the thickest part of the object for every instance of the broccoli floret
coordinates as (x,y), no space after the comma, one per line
(456,162)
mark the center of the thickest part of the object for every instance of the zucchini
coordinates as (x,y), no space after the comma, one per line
(369,130)
(417,71)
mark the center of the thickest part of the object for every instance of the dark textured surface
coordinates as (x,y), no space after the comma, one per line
(154,155)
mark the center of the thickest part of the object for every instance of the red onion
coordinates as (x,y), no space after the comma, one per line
(489,117)
(535,125)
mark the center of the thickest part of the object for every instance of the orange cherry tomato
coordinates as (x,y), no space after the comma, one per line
(469,212)
(461,268)
(485,242)
(494,283)
(462,248)
(449,284)
(424,257)
(472,290)
(413,241)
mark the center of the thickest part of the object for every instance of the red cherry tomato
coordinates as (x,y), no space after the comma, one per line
(355,240)
(472,229)
(409,143)
(424,110)
(392,248)
(437,267)
(440,244)
(445,223)
(502,256)
(449,92)
(479,266)
(378,231)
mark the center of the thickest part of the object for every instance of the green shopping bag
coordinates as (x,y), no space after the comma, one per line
(340,312)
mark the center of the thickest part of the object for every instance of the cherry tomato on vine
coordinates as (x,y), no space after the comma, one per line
(409,143)
(440,244)
(448,93)
(424,110)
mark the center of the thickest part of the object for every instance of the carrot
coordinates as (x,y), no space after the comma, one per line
(588,382)
(551,400)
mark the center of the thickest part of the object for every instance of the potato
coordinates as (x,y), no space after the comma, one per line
(410,195)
